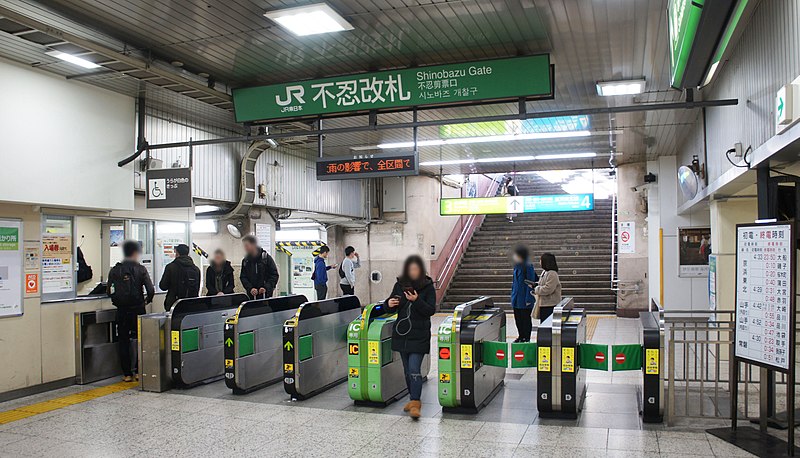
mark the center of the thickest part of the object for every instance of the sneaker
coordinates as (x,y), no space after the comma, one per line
(127,379)
(518,340)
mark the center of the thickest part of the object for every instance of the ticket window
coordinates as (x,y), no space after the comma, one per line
(143,232)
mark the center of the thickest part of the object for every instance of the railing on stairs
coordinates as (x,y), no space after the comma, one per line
(443,268)
(614,244)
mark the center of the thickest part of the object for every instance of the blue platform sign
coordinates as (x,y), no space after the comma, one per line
(519,204)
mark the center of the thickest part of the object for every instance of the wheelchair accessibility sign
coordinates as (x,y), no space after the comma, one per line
(169,188)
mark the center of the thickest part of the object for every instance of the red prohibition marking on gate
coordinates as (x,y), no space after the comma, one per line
(519,355)
(444,353)
(620,358)
(500,354)
(599,357)
(625,236)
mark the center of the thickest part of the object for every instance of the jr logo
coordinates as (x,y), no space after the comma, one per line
(292,92)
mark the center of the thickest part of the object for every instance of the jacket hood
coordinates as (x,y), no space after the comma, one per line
(184,260)
(225,266)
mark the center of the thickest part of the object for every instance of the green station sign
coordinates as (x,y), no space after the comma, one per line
(453,84)
(684,18)
(519,204)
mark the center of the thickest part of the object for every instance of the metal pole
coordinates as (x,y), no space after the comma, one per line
(445,122)
(319,138)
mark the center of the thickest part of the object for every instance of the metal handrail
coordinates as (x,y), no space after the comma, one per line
(614,245)
(466,234)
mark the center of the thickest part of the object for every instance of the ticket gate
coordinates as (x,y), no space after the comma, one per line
(652,341)
(561,383)
(466,384)
(315,345)
(96,346)
(375,372)
(253,339)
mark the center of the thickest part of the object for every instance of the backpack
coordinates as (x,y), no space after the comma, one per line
(188,282)
(122,286)
(341,271)
(84,270)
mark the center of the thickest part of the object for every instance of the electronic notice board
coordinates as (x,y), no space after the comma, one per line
(765,288)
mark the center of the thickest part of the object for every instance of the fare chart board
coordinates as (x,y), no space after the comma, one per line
(765,270)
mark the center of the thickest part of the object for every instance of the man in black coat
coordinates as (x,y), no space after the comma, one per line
(181,277)
(259,274)
(219,275)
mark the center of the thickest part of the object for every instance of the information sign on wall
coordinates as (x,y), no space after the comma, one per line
(516,204)
(765,276)
(57,274)
(169,188)
(377,166)
(11,279)
(626,242)
(498,79)
(694,249)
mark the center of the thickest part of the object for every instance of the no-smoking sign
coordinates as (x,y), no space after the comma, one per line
(625,236)
(627,242)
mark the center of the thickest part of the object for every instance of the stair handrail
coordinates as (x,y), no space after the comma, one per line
(614,244)
(442,282)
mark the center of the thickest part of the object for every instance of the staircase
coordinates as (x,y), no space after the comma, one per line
(581,242)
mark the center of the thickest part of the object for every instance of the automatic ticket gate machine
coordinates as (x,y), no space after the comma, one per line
(315,345)
(375,372)
(253,340)
(466,383)
(196,337)
(561,383)
(652,342)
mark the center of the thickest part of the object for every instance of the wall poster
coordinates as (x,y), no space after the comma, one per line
(627,237)
(765,301)
(694,249)
(11,295)
(57,263)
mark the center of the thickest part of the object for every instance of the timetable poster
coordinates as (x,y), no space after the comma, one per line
(764,302)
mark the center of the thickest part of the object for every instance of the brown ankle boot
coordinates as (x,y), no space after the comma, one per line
(413,409)
(407,406)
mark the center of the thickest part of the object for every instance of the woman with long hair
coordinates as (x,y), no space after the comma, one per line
(549,289)
(414,299)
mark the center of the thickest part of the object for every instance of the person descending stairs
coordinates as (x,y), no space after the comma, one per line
(581,241)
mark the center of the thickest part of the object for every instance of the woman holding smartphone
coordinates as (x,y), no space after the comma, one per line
(549,289)
(414,299)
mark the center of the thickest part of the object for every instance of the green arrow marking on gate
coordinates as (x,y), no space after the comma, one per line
(288,346)
(228,342)
(780,107)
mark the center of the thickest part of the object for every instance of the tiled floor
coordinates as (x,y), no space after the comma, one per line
(210,421)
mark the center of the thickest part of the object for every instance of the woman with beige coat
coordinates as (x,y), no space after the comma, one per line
(548,291)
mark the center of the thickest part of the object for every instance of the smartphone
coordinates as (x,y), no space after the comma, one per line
(532,284)
(408,289)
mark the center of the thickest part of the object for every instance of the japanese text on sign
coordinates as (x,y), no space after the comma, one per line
(764,306)
(368,167)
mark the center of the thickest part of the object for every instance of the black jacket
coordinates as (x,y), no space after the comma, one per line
(171,280)
(412,330)
(223,277)
(259,271)
(141,280)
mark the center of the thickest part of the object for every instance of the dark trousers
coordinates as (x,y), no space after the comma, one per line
(347,289)
(412,367)
(127,326)
(322,291)
(544,313)
(522,317)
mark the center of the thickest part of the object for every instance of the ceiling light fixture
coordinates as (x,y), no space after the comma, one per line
(490,160)
(309,20)
(79,61)
(623,87)
(488,139)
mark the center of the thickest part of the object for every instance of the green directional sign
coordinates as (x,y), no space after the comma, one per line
(288,346)
(518,204)
(453,84)
(683,18)
(228,342)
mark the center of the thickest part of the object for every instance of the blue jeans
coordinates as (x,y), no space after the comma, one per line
(412,366)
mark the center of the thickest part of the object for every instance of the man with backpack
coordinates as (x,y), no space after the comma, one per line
(181,277)
(125,283)
(259,273)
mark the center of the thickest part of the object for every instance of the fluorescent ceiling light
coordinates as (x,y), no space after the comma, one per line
(488,139)
(491,160)
(625,87)
(72,59)
(545,157)
(204,226)
(206,208)
(309,20)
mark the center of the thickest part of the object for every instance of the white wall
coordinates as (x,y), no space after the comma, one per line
(66,137)
(679,293)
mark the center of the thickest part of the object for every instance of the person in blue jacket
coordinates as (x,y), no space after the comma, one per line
(522,299)
(320,275)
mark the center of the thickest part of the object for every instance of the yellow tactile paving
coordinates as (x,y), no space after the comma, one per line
(59,403)
(591,324)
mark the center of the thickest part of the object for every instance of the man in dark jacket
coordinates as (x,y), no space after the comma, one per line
(126,280)
(219,275)
(259,274)
(181,277)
